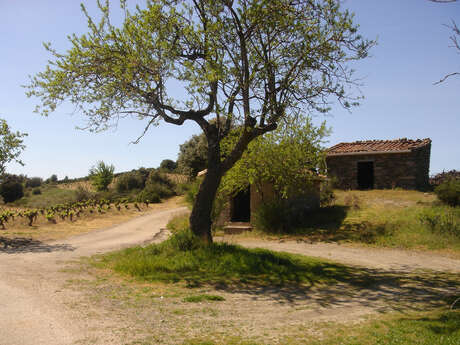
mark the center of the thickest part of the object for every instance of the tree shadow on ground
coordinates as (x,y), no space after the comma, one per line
(27,245)
(378,290)
(327,224)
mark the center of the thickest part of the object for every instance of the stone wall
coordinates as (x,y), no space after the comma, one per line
(267,194)
(405,170)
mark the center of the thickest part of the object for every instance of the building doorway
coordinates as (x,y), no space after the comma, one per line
(241,206)
(365,175)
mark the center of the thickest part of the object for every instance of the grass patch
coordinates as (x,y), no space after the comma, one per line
(178,223)
(182,258)
(385,218)
(50,195)
(203,298)
(439,327)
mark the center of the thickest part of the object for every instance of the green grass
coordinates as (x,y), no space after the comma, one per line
(203,298)
(178,223)
(439,327)
(50,195)
(385,218)
(182,258)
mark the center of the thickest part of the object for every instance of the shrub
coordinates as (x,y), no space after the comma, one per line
(282,215)
(11,190)
(149,195)
(36,191)
(34,182)
(129,181)
(449,192)
(82,194)
(158,183)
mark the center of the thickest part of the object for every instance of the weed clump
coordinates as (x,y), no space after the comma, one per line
(442,220)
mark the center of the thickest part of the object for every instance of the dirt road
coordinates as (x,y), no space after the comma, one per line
(35,309)
(378,258)
(31,302)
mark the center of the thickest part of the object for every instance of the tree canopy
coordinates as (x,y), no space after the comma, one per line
(252,62)
(193,155)
(11,145)
(289,158)
(101,176)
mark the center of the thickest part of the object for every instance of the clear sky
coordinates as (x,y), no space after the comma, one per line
(400,98)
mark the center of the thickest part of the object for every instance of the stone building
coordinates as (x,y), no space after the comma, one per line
(238,210)
(380,164)
(240,207)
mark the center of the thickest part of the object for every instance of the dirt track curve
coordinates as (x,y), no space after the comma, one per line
(31,302)
(34,308)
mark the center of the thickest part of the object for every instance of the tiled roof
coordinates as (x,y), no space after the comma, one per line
(374,146)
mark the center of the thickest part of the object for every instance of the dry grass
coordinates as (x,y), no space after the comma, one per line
(45,231)
(159,313)
(382,218)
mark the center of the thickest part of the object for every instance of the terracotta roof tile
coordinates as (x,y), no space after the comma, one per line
(371,146)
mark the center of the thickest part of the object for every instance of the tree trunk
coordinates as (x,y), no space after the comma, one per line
(200,219)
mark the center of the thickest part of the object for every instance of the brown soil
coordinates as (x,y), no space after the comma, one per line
(48,296)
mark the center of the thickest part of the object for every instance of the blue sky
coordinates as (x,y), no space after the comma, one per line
(400,98)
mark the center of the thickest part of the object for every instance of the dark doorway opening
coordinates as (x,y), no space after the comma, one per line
(365,175)
(241,206)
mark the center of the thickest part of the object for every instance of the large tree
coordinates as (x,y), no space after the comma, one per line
(250,62)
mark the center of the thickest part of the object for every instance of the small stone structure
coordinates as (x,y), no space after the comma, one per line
(241,207)
(380,164)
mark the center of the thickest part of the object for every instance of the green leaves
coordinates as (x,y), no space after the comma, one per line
(101,176)
(289,158)
(11,145)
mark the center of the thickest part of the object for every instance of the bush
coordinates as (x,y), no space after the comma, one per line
(34,182)
(149,195)
(82,194)
(11,190)
(282,216)
(36,191)
(129,181)
(158,183)
(449,192)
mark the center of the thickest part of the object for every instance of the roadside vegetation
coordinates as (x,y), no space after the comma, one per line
(387,218)
(53,209)
(182,258)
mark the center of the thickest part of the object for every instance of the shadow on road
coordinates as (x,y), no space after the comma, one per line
(377,289)
(27,245)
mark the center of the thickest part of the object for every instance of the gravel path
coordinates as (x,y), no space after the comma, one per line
(31,302)
(378,258)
